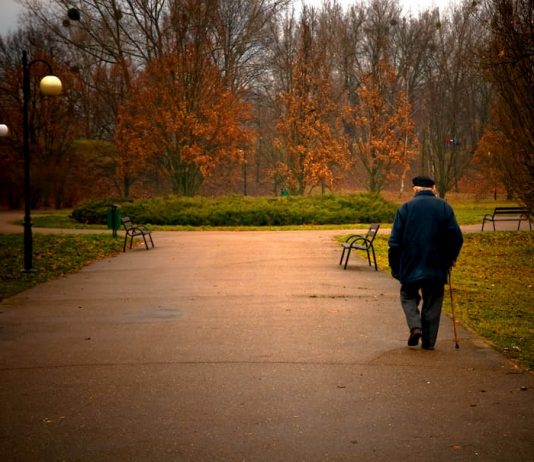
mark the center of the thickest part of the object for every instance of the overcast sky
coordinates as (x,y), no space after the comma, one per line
(409,6)
(9,9)
(8,15)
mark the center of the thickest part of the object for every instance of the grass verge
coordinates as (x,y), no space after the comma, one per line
(493,290)
(60,219)
(472,212)
(53,256)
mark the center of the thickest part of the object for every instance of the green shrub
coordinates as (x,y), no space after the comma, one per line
(245,210)
(95,211)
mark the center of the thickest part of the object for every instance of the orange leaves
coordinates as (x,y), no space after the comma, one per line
(310,145)
(181,118)
(383,131)
(309,132)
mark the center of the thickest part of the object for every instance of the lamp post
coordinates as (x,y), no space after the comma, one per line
(50,85)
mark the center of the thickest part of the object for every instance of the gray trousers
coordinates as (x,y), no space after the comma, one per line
(431,292)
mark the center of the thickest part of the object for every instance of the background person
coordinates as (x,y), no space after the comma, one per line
(424,243)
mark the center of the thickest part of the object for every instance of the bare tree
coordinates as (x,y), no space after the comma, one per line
(508,58)
(109,30)
(454,100)
(241,31)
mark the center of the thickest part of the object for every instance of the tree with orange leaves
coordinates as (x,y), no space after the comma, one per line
(309,137)
(380,128)
(492,161)
(53,165)
(179,116)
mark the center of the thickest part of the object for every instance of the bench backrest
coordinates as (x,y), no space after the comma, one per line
(372,232)
(510,211)
(127,223)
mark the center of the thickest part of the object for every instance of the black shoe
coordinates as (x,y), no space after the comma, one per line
(415,335)
(427,347)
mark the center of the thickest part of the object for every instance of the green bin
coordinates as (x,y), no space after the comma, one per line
(114,219)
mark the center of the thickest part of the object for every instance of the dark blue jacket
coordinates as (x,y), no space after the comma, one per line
(425,239)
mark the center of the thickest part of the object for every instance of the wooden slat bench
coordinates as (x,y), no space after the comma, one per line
(361,242)
(518,214)
(134,231)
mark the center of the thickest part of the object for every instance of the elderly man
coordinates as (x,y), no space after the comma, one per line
(424,243)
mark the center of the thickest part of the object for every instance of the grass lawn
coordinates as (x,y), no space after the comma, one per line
(59,219)
(53,256)
(472,213)
(493,289)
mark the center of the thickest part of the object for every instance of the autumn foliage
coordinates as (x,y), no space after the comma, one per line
(55,168)
(491,167)
(179,117)
(309,137)
(380,127)
(223,96)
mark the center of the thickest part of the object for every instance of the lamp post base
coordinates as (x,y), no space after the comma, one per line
(28,244)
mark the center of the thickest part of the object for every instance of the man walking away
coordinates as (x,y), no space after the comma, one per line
(423,246)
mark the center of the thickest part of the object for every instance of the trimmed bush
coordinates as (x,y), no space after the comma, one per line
(245,210)
(95,211)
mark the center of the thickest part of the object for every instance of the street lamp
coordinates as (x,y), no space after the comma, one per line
(4,130)
(51,86)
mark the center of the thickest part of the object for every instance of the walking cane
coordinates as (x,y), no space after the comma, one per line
(456,345)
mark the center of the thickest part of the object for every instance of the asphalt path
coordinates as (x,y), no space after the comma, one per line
(246,346)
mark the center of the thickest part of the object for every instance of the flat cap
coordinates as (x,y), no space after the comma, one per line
(423,181)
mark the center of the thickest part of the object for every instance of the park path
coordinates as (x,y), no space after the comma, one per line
(245,346)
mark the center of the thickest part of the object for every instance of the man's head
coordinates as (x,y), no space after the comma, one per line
(422,182)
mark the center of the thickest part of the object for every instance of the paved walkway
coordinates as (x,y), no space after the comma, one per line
(245,346)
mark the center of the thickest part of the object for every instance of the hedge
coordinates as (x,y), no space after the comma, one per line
(244,210)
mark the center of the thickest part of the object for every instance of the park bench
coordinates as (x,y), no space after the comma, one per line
(361,242)
(134,231)
(518,214)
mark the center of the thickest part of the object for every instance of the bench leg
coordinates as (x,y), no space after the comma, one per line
(524,219)
(374,257)
(125,240)
(342,255)
(347,259)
